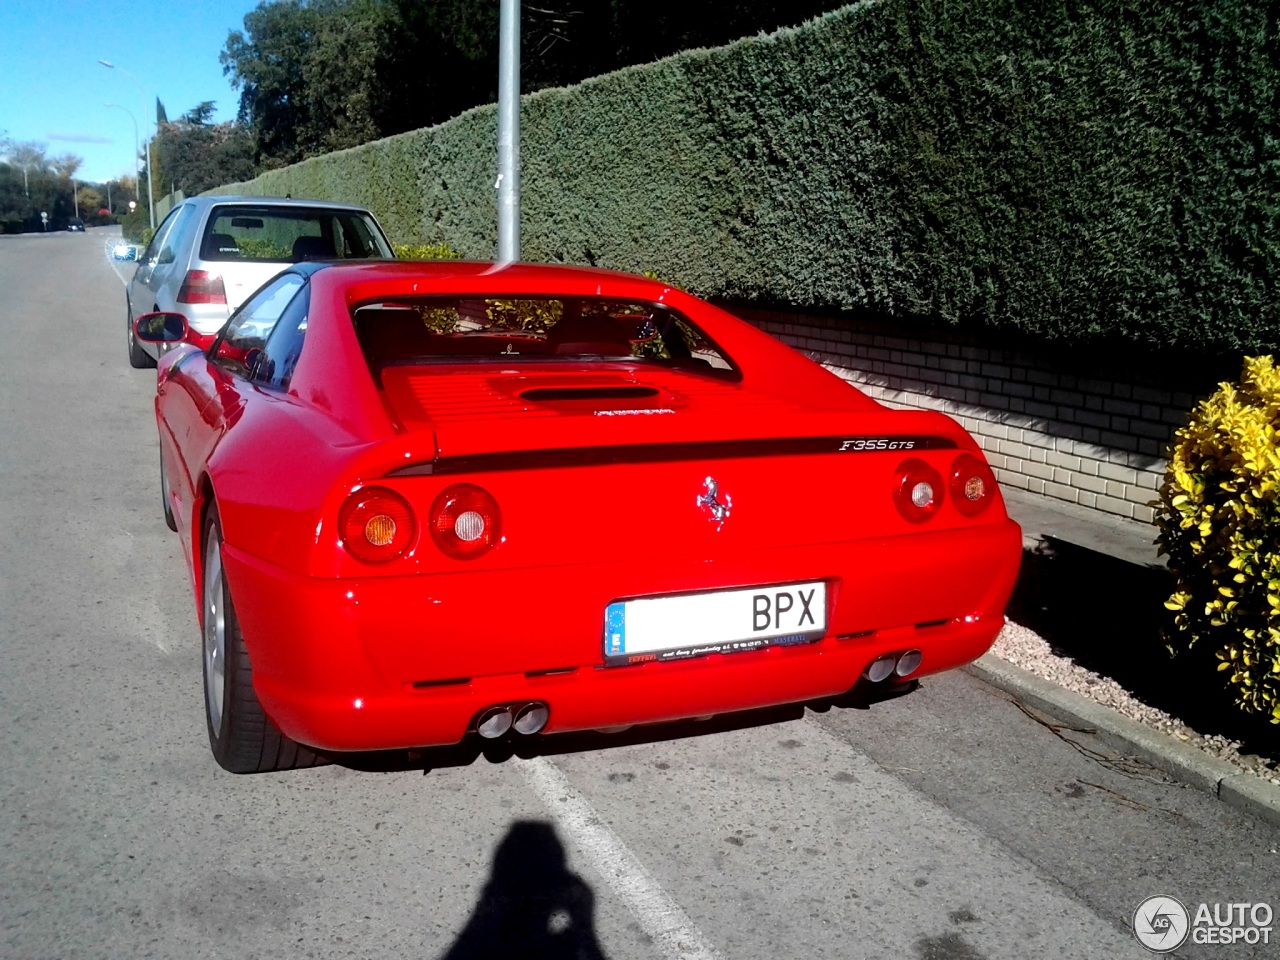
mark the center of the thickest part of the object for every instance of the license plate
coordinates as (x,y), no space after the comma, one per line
(724,621)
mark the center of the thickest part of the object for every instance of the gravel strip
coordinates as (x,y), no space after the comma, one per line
(1026,649)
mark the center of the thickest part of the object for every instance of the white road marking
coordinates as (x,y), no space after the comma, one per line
(660,916)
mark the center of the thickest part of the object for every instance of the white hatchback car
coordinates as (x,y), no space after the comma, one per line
(210,253)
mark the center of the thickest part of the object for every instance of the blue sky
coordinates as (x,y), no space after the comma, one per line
(53,90)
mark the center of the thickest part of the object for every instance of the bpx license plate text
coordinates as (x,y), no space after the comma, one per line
(726,621)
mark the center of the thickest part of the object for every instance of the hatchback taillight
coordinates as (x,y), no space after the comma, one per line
(376,524)
(201,286)
(917,490)
(973,485)
(465,521)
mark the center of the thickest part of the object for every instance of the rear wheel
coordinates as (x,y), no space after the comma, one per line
(243,738)
(139,359)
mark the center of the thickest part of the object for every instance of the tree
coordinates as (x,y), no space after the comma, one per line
(319,75)
(92,200)
(440,60)
(29,156)
(27,187)
(266,64)
(200,114)
(194,155)
(66,165)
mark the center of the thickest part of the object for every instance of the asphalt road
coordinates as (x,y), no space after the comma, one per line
(943,825)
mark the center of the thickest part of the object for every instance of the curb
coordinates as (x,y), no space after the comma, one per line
(1191,765)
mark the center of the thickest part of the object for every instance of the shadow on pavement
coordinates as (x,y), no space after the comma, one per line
(533,907)
(1108,616)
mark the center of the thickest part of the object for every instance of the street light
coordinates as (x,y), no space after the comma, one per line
(508,184)
(136,177)
(150,166)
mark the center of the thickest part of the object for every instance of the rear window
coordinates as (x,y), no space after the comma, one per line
(535,329)
(291,235)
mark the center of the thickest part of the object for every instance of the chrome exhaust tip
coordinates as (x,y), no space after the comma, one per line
(908,663)
(494,722)
(880,668)
(531,718)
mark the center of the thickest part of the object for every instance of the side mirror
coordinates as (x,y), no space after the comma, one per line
(124,251)
(160,328)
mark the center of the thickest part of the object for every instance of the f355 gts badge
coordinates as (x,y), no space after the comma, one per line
(717,509)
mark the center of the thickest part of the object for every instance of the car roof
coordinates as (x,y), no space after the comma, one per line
(212,201)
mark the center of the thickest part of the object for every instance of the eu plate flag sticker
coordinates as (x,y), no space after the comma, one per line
(615,629)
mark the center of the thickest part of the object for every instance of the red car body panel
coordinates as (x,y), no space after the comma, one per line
(350,655)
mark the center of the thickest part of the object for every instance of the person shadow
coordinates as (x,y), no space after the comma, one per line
(533,907)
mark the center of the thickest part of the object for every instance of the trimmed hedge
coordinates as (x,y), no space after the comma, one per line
(1074,171)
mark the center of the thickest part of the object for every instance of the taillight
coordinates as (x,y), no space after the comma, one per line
(376,524)
(201,286)
(917,490)
(973,485)
(465,521)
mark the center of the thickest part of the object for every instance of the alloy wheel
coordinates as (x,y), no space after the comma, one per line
(215,634)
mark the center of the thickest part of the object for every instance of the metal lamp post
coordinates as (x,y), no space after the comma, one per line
(509,132)
(136,174)
(151,203)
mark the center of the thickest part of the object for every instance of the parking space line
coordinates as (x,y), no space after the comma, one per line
(660,916)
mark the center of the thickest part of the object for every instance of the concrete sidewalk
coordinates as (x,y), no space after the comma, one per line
(1048,523)
(1044,519)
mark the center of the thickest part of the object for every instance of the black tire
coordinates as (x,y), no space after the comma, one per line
(139,359)
(164,497)
(242,737)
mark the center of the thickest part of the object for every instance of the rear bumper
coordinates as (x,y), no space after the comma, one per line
(401,662)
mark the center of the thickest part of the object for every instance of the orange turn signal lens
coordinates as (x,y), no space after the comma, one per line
(376,524)
(973,484)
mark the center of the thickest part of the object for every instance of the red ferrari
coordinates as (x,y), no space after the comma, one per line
(420,501)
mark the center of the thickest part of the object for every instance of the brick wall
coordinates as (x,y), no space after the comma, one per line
(1049,421)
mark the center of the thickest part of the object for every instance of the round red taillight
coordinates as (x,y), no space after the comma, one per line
(465,521)
(376,524)
(973,485)
(917,490)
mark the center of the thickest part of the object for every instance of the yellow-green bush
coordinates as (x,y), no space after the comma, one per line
(1219,519)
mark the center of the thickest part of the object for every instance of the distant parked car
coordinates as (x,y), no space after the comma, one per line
(75,225)
(210,253)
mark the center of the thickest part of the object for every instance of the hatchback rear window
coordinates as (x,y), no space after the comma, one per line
(291,235)
(535,329)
